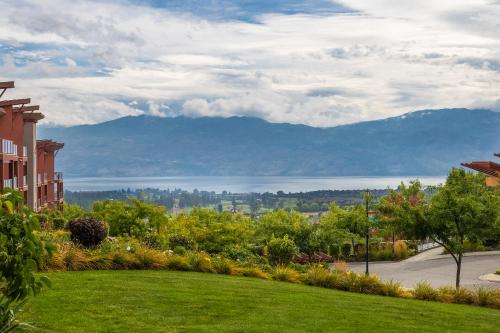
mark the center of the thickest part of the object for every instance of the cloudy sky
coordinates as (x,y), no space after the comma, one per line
(316,62)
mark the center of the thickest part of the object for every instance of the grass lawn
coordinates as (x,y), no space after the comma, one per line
(163,301)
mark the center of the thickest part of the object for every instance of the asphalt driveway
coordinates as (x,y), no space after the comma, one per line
(439,270)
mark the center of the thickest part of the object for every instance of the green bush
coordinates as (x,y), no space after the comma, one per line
(393,289)
(44,221)
(255,272)
(87,231)
(21,256)
(124,260)
(224,266)
(200,262)
(318,276)
(281,250)
(497,272)
(463,296)
(154,241)
(424,291)
(58,223)
(487,297)
(178,240)
(180,250)
(287,274)
(151,258)
(367,284)
(178,263)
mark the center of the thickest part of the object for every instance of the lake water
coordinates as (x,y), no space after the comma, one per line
(243,184)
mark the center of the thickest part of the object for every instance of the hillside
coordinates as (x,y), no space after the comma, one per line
(163,301)
(425,142)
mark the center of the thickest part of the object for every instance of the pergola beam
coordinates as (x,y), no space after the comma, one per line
(26,108)
(21,101)
(6,84)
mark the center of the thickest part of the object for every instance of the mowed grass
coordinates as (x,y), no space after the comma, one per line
(164,301)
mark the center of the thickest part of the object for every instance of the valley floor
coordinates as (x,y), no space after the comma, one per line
(165,301)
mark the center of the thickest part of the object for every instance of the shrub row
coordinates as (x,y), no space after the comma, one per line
(70,257)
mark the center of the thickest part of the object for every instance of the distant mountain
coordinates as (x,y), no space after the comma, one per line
(425,142)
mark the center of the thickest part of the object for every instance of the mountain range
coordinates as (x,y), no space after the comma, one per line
(427,142)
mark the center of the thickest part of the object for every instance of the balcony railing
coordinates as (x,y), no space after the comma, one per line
(8,183)
(8,147)
(12,183)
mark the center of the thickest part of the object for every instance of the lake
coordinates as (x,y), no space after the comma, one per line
(243,184)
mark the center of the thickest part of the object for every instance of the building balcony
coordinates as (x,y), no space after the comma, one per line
(11,183)
(8,147)
(58,176)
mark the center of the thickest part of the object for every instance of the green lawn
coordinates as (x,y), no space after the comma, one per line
(163,301)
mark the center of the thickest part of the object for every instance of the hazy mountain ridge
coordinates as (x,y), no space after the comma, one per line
(427,142)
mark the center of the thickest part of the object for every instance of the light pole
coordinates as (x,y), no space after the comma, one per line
(367,246)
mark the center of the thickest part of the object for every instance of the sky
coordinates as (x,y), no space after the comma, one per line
(317,62)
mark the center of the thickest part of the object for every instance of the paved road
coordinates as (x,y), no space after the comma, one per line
(437,269)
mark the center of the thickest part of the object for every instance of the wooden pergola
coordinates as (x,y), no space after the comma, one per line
(489,168)
(49,145)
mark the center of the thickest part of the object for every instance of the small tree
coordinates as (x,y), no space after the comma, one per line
(394,208)
(21,255)
(463,209)
(281,250)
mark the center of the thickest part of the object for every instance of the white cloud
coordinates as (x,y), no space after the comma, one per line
(387,58)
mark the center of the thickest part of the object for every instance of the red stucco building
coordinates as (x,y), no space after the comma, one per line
(27,164)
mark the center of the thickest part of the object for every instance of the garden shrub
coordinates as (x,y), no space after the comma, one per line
(393,289)
(69,257)
(87,231)
(151,258)
(124,260)
(200,262)
(424,291)
(401,249)
(22,254)
(58,223)
(237,252)
(445,294)
(178,240)
(154,241)
(178,263)
(224,266)
(367,284)
(255,272)
(318,276)
(44,221)
(281,250)
(346,250)
(463,296)
(341,266)
(286,274)
(180,250)
(487,297)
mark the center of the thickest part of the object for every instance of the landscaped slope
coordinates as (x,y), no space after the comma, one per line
(163,301)
(419,143)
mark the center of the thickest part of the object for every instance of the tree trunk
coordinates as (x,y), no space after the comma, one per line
(459,267)
(393,243)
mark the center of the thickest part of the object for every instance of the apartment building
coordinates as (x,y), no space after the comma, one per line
(27,164)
